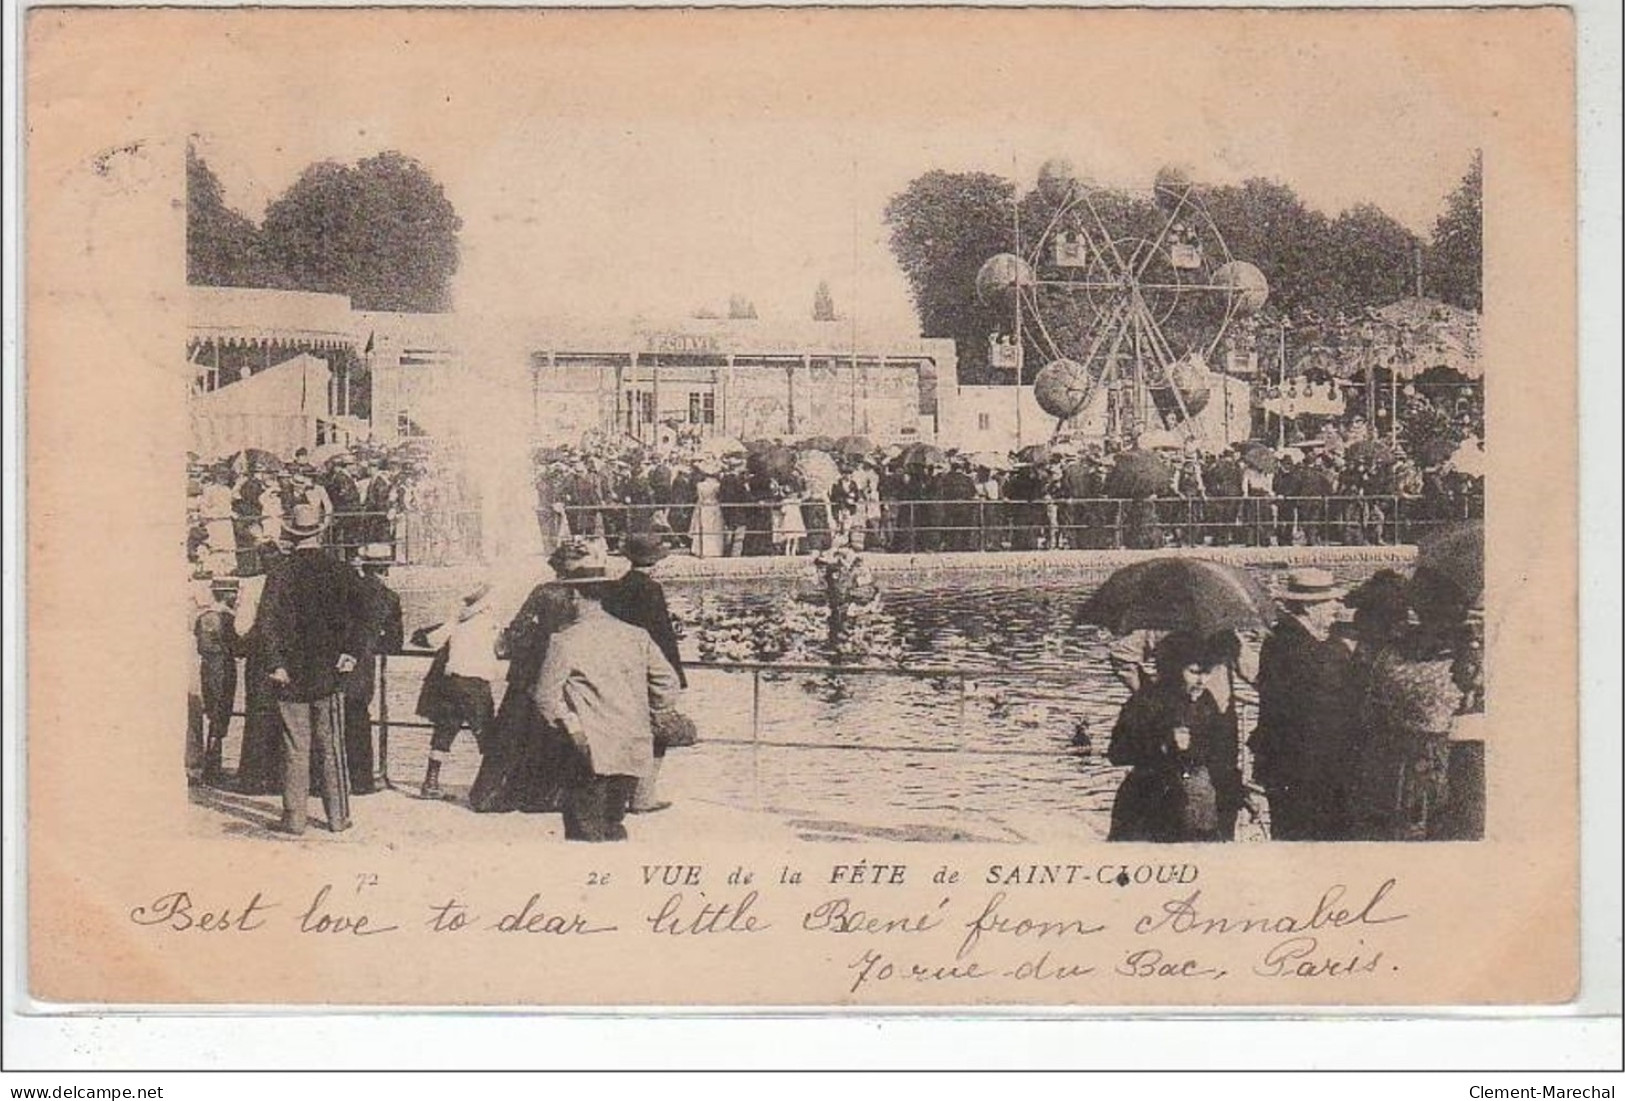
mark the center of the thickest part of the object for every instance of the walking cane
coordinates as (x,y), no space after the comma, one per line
(383,721)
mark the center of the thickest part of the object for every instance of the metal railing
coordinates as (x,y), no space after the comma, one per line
(384,725)
(916,526)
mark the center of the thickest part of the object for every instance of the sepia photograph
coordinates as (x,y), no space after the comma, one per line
(1091,498)
(931,507)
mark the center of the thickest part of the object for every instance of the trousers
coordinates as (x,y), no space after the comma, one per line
(595,806)
(314,728)
(359,759)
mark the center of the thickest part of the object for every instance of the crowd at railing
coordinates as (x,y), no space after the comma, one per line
(768,498)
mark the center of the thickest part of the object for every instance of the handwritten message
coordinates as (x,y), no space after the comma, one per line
(873,928)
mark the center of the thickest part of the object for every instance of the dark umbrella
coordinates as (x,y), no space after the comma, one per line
(1457,554)
(754,446)
(1180,594)
(1370,452)
(1435,452)
(924,454)
(1035,453)
(259,458)
(817,443)
(1139,474)
(779,461)
(1260,458)
(854,447)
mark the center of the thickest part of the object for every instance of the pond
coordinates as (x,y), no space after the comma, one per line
(1014,735)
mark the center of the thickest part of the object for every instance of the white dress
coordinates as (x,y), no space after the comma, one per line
(705,529)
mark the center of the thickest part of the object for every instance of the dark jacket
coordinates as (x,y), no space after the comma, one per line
(1305,741)
(1151,804)
(638,599)
(384,634)
(314,609)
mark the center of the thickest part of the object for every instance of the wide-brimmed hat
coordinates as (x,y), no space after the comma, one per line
(644,549)
(579,562)
(305,521)
(1312,585)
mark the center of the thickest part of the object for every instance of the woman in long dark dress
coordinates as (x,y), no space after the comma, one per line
(1184,782)
(522,765)
(259,762)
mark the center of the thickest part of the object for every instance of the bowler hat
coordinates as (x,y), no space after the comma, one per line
(644,549)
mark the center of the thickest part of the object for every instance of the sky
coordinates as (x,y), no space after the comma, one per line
(663,167)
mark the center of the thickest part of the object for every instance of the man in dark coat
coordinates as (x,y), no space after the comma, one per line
(383,491)
(346,497)
(958,513)
(1223,479)
(638,599)
(314,619)
(734,496)
(1305,742)
(1079,485)
(215,630)
(384,634)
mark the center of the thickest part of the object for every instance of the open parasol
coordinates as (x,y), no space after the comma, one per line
(819,470)
(327,451)
(258,458)
(721,445)
(1139,474)
(1456,553)
(1035,453)
(1370,452)
(924,454)
(817,443)
(1434,452)
(991,460)
(1180,594)
(1260,458)
(1469,458)
(854,447)
(779,461)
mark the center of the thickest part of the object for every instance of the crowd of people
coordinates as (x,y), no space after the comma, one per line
(588,672)
(773,498)
(1346,482)
(239,503)
(1353,739)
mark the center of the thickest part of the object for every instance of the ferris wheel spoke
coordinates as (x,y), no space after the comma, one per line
(1167,225)
(1043,329)
(1182,287)
(1076,285)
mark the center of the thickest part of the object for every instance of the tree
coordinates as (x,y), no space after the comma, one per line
(1454,270)
(741,308)
(944,226)
(1265,223)
(224,248)
(1370,256)
(382,232)
(823,303)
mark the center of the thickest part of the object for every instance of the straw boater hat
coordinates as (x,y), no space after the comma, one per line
(375,554)
(1312,585)
(305,521)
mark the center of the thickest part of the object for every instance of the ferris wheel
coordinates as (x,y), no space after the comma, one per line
(1125,297)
